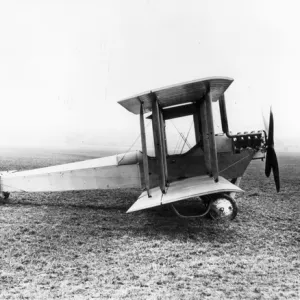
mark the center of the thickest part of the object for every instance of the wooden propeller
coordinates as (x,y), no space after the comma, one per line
(271,159)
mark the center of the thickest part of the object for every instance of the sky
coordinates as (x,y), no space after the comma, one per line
(65,64)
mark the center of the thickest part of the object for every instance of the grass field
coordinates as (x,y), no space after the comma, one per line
(82,245)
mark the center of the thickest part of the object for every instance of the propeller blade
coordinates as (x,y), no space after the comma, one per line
(271,130)
(275,169)
(272,164)
(268,166)
(271,157)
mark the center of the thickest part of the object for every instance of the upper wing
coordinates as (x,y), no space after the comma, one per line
(178,94)
(119,171)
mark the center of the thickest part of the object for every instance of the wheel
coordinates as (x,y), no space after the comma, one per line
(223,207)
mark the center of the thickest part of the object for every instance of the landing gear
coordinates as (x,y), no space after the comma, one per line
(203,209)
(216,206)
(223,207)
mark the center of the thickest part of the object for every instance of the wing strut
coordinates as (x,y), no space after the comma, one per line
(159,142)
(209,142)
(203,114)
(144,148)
(212,141)
(197,123)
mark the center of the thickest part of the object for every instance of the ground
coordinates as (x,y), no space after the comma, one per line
(82,245)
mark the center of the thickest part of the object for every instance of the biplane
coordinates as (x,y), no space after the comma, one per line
(210,171)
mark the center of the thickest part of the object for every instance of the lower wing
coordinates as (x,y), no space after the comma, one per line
(182,190)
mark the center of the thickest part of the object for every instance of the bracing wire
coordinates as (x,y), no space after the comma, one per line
(185,140)
(182,137)
(235,163)
(138,137)
(186,137)
(177,144)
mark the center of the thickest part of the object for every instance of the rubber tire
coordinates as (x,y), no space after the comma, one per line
(230,199)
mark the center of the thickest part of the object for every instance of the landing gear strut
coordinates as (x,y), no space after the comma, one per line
(216,206)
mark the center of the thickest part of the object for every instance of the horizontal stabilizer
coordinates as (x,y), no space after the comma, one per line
(184,189)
